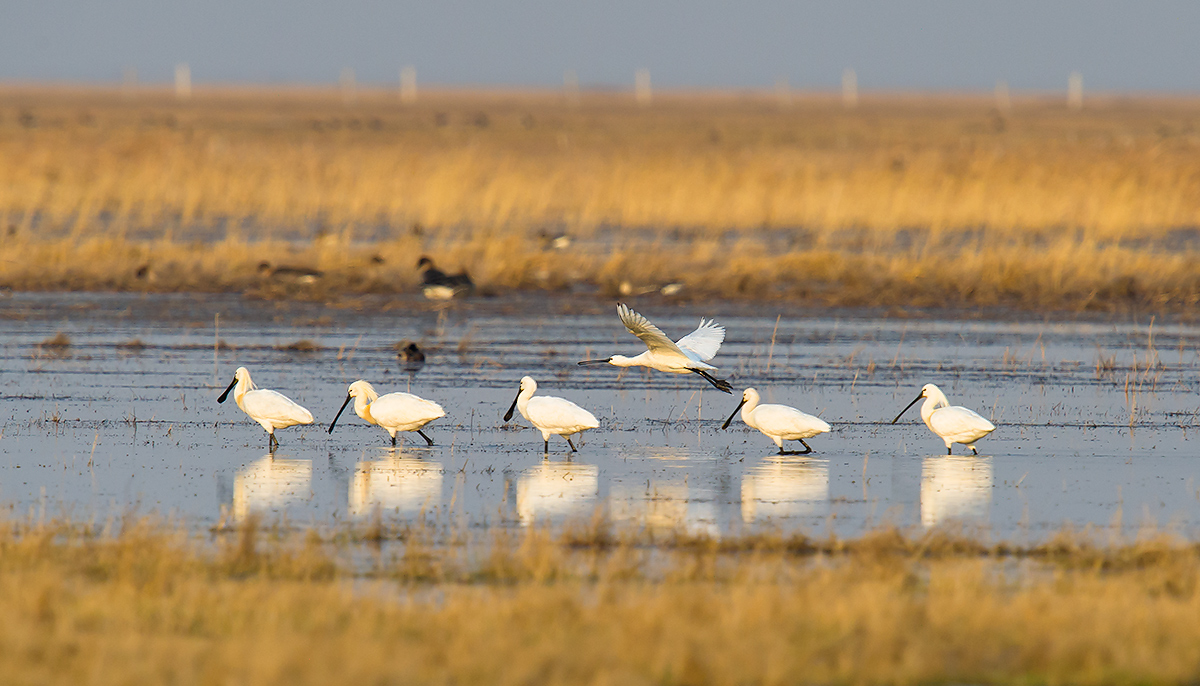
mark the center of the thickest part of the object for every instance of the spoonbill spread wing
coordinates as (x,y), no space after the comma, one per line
(705,341)
(650,334)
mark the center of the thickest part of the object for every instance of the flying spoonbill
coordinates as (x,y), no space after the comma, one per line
(778,422)
(270,409)
(438,285)
(951,424)
(688,355)
(392,412)
(551,415)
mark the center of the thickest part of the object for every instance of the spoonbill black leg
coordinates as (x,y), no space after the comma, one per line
(806,450)
(720,384)
(427,439)
(393,441)
(573,449)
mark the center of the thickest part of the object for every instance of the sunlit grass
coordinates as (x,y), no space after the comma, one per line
(142,602)
(902,201)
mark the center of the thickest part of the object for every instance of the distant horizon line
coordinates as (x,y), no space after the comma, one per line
(377,88)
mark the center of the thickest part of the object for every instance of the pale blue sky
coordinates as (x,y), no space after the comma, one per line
(917,44)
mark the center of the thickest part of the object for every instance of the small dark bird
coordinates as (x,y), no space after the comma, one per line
(411,356)
(438,285)
(286,274)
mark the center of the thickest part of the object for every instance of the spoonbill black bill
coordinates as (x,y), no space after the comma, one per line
(438,285)
(270,409)
(392,412)
(688,355)
(551,415)
(778,422)
(953,424)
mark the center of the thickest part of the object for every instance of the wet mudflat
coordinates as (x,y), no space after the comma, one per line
(1095,420)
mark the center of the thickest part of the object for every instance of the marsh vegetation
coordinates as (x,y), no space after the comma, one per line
(911,201)
(142,601)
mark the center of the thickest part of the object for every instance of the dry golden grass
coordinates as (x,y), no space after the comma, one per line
(903,201)
(152,604)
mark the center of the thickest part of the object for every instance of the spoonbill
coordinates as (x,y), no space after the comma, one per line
(551,415)
(778,422)
(392,412)
(688,355)
(951,424)
(270,409)
(438,285)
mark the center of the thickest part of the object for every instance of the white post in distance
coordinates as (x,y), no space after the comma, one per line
(129,80)
(348,84)
(1003,100)
(849,88)
(1075,91)
(408,85)
(783,91)
(641,87)
(571,87)
(183,81)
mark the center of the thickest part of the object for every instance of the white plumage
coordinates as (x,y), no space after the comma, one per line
(270,409)
(953,424)
(392,412)
(550,415)
(688,355)
(778,422)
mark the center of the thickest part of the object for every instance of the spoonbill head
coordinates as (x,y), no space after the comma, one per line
(688,355)
(778,422)
(551,415)
(392,412)
(270,409)
(953,424)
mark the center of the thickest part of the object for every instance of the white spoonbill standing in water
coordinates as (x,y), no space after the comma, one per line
(952,424)
(688,355)
(392,412)
(551,415)
(778,422)
(270,409)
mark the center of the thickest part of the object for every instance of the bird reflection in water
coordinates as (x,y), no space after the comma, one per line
(271,484)
(395,484)
(785,487)
(666,503)
(955,489)
(557,490)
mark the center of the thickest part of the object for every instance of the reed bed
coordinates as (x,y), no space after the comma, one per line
(902,201)
(143,601)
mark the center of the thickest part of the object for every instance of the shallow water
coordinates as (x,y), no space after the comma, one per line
(1095,419)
